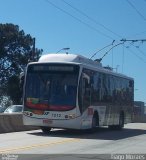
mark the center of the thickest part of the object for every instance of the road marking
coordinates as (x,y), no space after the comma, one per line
(10,150)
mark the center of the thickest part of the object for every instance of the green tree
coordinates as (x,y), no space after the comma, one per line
(16,50)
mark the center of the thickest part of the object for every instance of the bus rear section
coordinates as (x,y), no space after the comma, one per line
(50,97)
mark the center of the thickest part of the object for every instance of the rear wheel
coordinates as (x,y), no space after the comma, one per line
(46,129)
(121,123)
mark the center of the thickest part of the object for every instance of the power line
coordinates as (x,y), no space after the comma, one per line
(138,12)
(91,19)
(140,58)
(93,28)
(79,20)
(137,46)
(137,34)
(120,43)
(133,41)
(141,51)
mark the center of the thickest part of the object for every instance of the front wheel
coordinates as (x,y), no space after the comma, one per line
(46,129)
(95,122)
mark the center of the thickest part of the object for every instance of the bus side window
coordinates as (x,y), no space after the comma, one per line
(86,87)
(131,84)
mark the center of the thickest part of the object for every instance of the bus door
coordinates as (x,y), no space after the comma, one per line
(86,91)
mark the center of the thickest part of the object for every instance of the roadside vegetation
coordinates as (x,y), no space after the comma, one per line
(17,49)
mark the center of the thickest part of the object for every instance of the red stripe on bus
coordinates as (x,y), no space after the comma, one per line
(49,107)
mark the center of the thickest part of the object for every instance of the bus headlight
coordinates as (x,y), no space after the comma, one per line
(71,116)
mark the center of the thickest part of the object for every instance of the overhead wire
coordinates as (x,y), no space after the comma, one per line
(137,47)
(135,54)
(137,11)
(139,50)
(139,57)
(93,20)
(137,34)
(93,28)
(79,20)
(90,18)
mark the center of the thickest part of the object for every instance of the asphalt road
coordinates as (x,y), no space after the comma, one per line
(78,145)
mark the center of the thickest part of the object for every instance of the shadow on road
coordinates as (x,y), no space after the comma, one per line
(100,133)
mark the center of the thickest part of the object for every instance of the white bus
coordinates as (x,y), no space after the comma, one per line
(73,92)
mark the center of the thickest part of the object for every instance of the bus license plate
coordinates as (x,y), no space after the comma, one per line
(47,121)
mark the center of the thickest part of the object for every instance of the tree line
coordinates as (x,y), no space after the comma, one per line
(17,49)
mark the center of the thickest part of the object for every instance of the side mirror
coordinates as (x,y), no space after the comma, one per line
(86,77)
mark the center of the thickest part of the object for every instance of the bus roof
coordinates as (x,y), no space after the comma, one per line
(68,58)
(77,59)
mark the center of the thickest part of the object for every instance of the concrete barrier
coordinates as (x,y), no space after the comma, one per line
(139,118)
(13,123)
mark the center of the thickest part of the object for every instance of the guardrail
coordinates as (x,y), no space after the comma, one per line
(13,123)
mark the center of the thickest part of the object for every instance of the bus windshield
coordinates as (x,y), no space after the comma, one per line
(51,87)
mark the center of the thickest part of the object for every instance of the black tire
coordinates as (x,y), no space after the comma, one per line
(95,122)
(112,127)
(46,129)
(121,121)
(120,125)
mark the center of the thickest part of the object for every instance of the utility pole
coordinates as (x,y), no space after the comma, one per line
(33,50)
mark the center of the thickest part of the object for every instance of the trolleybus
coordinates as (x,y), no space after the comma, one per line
(73,92)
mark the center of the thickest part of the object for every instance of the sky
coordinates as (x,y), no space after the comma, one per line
(86,27)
